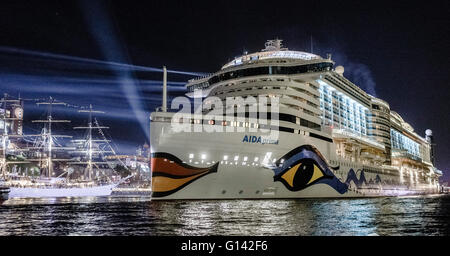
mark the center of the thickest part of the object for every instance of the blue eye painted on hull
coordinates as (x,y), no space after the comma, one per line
(304,167)
(301,175)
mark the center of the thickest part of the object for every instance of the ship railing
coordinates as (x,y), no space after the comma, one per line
(200,77)
(406,154)
(358,137)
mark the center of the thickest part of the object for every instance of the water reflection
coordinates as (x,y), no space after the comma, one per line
(426,215)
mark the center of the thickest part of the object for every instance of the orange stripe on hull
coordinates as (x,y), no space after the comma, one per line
(170,174)
(164,184)
(160,165)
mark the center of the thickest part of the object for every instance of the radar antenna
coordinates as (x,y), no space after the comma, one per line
(274,45)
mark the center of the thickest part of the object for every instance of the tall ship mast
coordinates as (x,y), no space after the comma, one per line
(93,150)
(47,142)
(285,124)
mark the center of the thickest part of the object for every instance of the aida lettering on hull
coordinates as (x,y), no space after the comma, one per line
(258,139)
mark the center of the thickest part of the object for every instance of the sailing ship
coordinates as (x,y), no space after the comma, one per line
(57,166)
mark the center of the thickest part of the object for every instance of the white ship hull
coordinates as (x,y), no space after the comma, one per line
(27,192)
(193,166)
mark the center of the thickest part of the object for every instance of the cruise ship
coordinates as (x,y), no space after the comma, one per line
(285,124)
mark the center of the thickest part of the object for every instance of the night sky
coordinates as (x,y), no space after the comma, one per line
(398,51)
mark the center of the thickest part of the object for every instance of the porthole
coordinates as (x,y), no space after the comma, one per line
(224,191)
(240,192)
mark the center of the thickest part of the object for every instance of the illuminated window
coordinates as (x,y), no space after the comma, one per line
(267,157)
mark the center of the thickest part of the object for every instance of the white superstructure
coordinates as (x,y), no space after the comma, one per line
(332,138)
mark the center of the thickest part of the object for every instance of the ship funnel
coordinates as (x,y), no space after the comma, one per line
(164,103)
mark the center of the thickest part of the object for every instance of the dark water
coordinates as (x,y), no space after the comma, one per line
(424,215)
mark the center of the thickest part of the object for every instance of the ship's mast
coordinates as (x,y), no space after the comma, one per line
(48,134)
(89,141)
(164,104)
